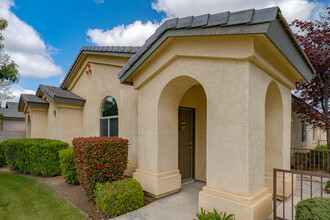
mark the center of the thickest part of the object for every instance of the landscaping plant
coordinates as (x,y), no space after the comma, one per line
(214,215)
(99,160)
(2,156)
(36,156)
(68,167)
(327,187)
(119,197)
(313,208)
(313,105)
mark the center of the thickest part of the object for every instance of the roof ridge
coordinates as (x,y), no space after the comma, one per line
(126,51)
(247,17)
(201,21)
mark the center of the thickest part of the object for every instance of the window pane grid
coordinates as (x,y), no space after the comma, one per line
(109,118)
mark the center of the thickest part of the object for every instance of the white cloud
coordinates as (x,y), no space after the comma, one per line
(131,35)
(292,9)
(25,46)
(16,91)
(138,32)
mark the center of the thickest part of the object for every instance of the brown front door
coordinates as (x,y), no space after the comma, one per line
(186,142)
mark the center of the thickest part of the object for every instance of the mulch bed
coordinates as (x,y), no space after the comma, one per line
(73,193)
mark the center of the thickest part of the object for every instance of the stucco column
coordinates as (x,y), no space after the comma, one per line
(158,139)
(231,185)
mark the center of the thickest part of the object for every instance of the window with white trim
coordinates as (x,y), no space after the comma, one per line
(109,118)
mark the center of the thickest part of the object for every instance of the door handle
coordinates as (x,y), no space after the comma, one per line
(190,145)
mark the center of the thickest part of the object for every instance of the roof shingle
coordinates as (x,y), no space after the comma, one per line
(125,51)
(224,19)
(11,111)
(60,95)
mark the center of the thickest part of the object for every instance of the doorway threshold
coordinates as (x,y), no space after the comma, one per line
(187,181)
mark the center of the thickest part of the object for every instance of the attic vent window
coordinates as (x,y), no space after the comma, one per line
(54,114)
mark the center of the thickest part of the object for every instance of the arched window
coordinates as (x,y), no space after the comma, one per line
(109,118)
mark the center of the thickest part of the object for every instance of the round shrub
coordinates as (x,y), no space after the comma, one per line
(313,208)
(119,197)
(68,167)
(99,159)
(36,156)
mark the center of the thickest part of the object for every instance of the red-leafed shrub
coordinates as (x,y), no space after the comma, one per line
(98,160)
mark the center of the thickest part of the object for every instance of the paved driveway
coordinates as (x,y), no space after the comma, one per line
(181,205)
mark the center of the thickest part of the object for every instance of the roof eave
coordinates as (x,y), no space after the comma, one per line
(81,53)
(264,26)
(69,101)
(260,28)
(14,118)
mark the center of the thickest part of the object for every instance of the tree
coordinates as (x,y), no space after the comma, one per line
(313,102)
(8,68)
(5,93)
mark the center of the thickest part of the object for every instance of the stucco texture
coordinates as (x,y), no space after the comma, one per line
(237,82)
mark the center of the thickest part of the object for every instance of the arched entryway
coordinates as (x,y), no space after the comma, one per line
(182,128)
(273,132)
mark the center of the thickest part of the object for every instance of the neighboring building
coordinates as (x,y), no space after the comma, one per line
(206,98)
(12,120)
(304,135)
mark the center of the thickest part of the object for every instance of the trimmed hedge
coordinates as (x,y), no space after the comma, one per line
(36,156)
(68,167)
(313,208)
(2,156)
(119,197)
(98,160)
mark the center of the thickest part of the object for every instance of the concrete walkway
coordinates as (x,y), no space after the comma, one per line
(181,205)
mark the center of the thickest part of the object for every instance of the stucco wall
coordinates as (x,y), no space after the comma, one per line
(296,134)
(94,88)
(39,122)
(235,74)
(13,125)
(4,135)
(53,124)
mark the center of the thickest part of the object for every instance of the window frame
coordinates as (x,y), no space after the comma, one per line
(108,118)
(303,131)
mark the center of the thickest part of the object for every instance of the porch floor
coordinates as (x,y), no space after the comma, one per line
(181,205)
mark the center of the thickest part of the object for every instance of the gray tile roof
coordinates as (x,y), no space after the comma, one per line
(12,105)
(267,21)
(123,51)
(60,95)
(11,111)
(32,101)
(32,98)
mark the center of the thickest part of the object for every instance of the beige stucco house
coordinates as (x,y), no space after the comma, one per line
(12,119)
(304,135)
(205,98)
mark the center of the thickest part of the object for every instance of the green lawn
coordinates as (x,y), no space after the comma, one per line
(24,198)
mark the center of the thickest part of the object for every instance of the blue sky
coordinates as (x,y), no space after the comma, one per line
(64,26)
(44,37)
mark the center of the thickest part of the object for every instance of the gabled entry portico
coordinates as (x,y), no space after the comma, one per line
(229,68)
